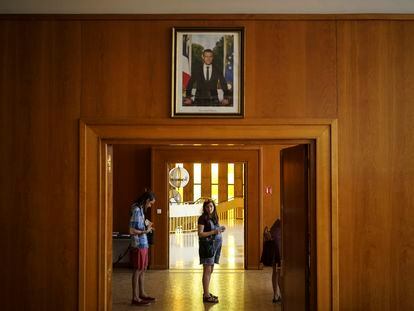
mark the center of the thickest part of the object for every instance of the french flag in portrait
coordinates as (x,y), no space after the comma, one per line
(186,60)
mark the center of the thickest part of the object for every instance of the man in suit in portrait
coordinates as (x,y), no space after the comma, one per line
(207,86)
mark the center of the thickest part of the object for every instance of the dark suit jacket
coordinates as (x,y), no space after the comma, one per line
(206,91)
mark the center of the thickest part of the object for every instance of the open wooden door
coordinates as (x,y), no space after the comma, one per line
(296,236)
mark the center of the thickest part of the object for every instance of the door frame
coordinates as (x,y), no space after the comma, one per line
(95,137)
(249,155)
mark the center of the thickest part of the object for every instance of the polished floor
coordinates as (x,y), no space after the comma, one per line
(178,290)
(184,248)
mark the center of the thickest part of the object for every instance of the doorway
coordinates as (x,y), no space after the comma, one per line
(244,209)
(94,274)
(190,184)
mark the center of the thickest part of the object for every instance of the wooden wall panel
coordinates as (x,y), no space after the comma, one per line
(9,178)
(206,180)
(376,146)
(40,107)
(222,182)
(238,179)
(294,69)
(132,174)
(188,191)
(271,177)
(53,72)
(126,68)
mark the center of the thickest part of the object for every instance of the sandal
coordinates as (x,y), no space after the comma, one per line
(215,297)
(210,299)
(140,303)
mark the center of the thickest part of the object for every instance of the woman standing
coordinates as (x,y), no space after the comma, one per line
(139,252)
(276,237)
(209,231)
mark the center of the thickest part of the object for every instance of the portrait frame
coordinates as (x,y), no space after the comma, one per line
(207,72)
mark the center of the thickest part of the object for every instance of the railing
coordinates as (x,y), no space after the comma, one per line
(183,224)
(184,217)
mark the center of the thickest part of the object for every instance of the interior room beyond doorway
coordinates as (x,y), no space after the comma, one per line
(189,185)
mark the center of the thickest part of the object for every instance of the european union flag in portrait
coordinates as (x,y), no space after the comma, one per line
(229,70)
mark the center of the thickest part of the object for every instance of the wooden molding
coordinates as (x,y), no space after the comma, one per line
(209,17)
(94,136)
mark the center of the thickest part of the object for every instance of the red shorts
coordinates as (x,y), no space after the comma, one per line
(139,258)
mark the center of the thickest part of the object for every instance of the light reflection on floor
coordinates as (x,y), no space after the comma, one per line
(184,248)
(178,290)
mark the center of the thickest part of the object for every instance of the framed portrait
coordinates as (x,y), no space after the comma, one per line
(207,72)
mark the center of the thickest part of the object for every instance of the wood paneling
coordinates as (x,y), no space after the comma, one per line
(238,179)
(132,174)
(39,110)
(271,177)
(376,112)
(206,180)
(188,190)
(294,194)
(126,68)
(222,182)
(291,62)
(53,72)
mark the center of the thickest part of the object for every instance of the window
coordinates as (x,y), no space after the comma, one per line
(197,181)
(230,181)
(214,181)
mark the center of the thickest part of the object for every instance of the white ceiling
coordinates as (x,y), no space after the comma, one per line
(205,6)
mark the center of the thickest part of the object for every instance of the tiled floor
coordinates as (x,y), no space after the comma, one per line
(180,287)
(184,248)
(178,290)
